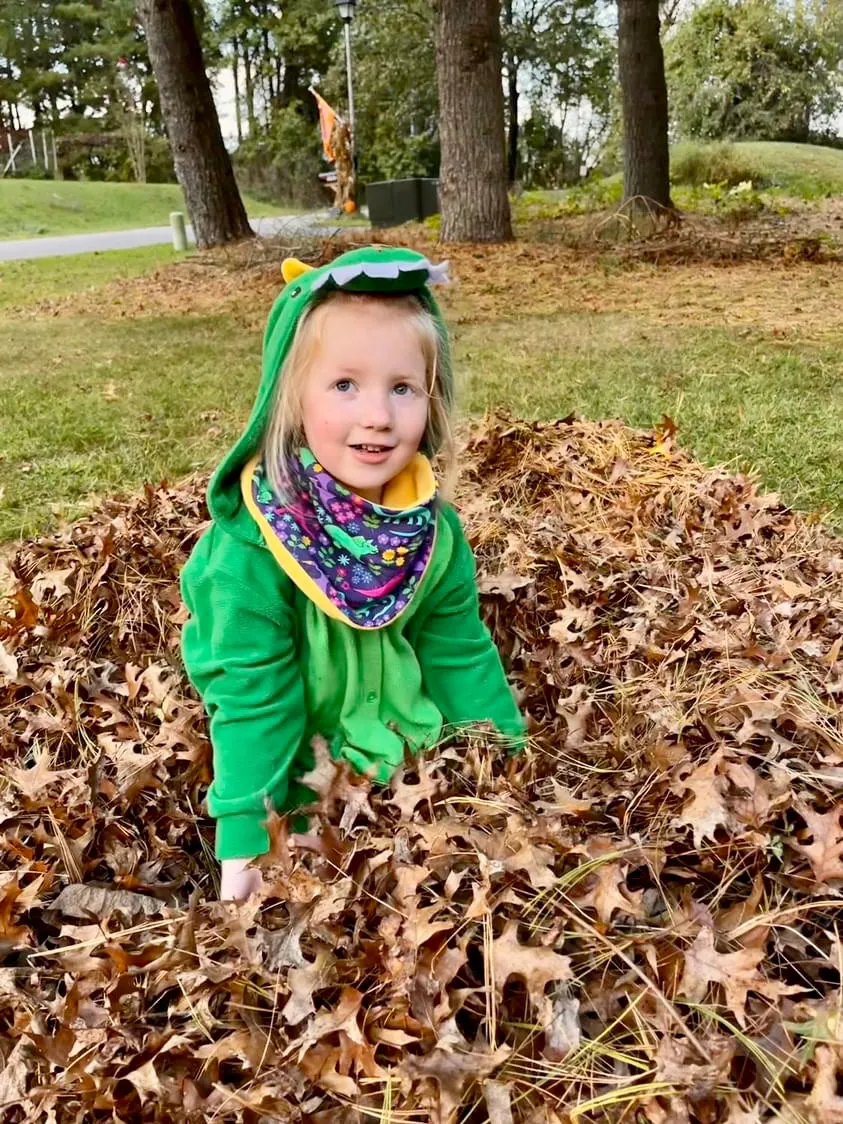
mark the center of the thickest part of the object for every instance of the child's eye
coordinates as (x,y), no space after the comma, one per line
(403,389)
(342,385)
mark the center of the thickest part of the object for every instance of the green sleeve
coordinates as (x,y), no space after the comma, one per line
(460,664)
(240,654)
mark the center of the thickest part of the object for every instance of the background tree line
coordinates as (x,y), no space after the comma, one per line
(766,69)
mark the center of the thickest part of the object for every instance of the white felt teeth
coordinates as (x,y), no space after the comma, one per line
(342,274)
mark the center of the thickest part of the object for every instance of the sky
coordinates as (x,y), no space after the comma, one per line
(224,98)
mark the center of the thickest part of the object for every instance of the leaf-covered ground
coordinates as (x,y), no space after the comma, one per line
(699,275)
(637,920)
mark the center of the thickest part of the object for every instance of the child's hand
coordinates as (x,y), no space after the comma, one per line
(238,880)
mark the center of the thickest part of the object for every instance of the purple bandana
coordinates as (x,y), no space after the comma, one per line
(368,560)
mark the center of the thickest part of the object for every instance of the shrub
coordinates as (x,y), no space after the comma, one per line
(281,164)
(697,164)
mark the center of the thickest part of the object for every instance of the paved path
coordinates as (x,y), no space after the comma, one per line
(317,223)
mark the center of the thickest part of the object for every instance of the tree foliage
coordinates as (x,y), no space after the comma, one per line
(736,69)
(766,69)
(563,59)
(60,60)
(279,48)
(395,89)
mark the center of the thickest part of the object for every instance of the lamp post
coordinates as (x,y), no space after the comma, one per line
(346,12)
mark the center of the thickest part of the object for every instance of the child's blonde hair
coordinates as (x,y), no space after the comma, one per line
(284,434)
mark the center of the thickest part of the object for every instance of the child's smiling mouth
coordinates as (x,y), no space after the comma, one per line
(372,454)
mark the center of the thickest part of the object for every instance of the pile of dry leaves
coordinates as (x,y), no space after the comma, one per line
(636,920)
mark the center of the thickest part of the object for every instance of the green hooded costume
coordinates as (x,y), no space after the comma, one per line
(274,668)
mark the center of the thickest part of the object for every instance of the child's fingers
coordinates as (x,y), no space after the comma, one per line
(238,881)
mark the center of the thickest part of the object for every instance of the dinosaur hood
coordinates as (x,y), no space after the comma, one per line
(370,269)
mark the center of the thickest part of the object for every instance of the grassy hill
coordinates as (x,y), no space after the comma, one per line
(783,172)
(29,208)
(806,171)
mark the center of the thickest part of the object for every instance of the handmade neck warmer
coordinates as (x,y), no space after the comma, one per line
(366,559)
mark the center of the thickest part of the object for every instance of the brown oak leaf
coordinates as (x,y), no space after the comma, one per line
(406,797)
(825,854)
(824,1104)
(302,983)
(736,972)
(707,810)
(537,966)
(343,1017)
(498,1097)
(604,893)
(453,1064)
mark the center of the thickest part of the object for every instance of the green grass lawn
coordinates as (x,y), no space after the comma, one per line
(93,407)
(31,208)
(96,405)
(771,406)
(25,282)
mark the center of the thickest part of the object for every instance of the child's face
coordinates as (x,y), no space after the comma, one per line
(365,399)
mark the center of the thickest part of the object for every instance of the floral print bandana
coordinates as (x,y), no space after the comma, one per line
(366,559)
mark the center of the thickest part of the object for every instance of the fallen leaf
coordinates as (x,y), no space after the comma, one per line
(453,1065)
(562,1031)
(302,983)
(8,664)
(30,781)
(505,585)
(736,972)
(707,809)
(145,1080)
(824,1104)
(537,966)
(343,1017)
(825,854)
(83,902)
(498,1097)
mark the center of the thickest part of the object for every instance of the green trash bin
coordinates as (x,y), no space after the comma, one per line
(393,202)
(428,198)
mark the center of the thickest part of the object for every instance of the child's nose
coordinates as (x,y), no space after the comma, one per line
(377,413)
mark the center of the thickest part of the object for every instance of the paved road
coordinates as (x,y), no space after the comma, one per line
(318,223)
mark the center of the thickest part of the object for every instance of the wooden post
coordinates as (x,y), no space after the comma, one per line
(10,163)
(179,232)
(32,147)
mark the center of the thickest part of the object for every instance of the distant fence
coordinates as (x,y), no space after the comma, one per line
(23,150)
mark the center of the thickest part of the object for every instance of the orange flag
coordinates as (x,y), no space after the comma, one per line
(327,118)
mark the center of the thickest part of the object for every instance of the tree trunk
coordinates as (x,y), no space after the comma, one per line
(279,68)
(512,101)
(203,166)
(646,175)
(235,74)
(514,128)
(250,90)
(270,85)
(291,86)
(472,176)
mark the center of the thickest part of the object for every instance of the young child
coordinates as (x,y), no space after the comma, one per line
(334,591)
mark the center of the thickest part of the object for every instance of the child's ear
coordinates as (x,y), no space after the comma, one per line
(291,268)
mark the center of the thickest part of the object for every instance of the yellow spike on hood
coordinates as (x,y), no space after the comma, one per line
(291,268)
